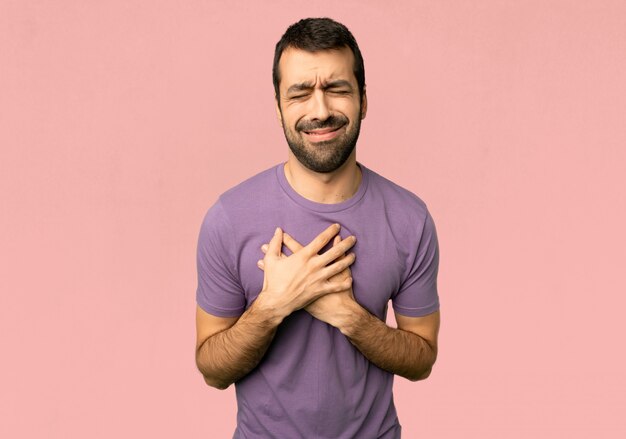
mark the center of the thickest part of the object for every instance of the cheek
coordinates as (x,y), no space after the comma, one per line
(291,119)
(348,108)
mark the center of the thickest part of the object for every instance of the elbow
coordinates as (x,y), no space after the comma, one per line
(211,379)
(422,375)
(220,385)
(424,372)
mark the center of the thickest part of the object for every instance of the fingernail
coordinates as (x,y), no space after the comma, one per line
(277,230)
(338,225)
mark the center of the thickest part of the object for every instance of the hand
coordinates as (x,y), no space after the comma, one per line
(329,307)
(293,282)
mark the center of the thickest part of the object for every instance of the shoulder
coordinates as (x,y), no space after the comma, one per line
(250,192)
(250,187)
(245,195)
(405,205)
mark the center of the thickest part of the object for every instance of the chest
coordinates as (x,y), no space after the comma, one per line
(376,271)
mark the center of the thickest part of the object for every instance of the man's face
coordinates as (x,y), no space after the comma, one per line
(320,109)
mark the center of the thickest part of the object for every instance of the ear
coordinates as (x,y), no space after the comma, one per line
(278,113)
(363,104)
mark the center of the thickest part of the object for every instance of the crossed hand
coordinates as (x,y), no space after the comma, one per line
(321,284)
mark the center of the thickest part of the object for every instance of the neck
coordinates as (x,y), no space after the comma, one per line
(328,188)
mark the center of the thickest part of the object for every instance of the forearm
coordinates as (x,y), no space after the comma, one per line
(395,350)
(229,355)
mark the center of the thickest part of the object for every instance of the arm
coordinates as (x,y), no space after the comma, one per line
(409,351)
(229,348)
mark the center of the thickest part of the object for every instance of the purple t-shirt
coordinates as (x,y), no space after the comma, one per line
(312,382)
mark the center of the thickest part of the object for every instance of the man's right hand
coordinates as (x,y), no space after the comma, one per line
(292,282)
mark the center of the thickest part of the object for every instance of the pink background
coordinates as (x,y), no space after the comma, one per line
(122,121)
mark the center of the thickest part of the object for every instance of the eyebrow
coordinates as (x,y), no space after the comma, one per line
(309,85)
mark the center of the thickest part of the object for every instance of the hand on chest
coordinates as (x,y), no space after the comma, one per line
(376,272)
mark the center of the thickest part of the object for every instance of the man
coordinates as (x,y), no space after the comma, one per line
(297,264)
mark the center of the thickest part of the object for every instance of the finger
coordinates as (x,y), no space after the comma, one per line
(345,273)
(337,250)
(336,287)
(264,248)
(338,266)
(274,248)
(336,241)
(291,243)
(322,239)
(261,264)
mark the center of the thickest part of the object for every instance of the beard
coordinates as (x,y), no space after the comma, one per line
(327,155)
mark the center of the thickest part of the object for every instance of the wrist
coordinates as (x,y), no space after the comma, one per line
(268,310)
(350,321)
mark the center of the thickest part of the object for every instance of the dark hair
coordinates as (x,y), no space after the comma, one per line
(314,34)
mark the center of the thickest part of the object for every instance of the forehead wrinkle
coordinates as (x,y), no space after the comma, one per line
(302,68)
(326,83)
(309,62)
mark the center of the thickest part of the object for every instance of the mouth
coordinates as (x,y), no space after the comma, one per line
(323,134)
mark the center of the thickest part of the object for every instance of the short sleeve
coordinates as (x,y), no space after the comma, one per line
(417,295)
(219,291)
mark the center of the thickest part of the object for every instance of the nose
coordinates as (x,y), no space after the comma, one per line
(319,108)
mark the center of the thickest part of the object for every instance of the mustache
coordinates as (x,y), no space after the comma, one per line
(332,122)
